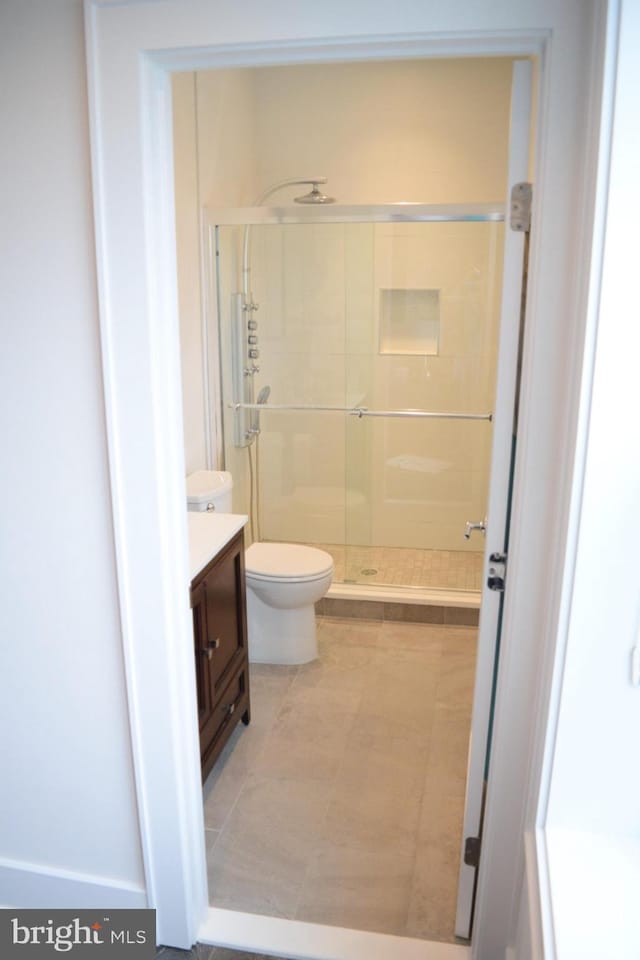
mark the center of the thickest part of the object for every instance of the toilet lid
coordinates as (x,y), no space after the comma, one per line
(290,561)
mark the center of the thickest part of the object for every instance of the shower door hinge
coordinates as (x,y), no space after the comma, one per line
(472,851)
(520,213)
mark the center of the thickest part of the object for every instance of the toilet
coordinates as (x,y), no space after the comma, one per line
(284,582)
(209,490)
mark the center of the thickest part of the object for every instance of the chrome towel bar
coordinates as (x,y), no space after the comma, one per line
(360,411)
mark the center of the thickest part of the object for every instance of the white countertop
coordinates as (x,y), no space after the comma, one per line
(208,534)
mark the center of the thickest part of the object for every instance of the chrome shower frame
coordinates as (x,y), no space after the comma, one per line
(213,217)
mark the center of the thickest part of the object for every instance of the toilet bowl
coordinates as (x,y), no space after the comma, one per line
(284,581)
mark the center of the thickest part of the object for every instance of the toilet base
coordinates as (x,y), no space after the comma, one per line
(276,635)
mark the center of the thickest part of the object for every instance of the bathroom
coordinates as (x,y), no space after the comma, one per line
(389,701)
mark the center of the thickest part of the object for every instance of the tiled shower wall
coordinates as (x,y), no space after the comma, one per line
(329,477)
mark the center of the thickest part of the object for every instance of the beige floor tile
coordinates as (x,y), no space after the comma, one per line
(305,743)
(241,753)
(432,907)
(274,672)
(223,785)
(261,857)
(420,637)
(342,802)
(457,673)
(441,818)
(324,697)
(380,757)
(210,838)
(364,816)
(344,650)
(269,686)
(448,755)
(265,706)
(334,682)
(349,632)
(403,691)
(220,800)
(364,890)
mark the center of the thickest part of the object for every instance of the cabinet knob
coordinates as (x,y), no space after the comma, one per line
(231,708)
(211,646)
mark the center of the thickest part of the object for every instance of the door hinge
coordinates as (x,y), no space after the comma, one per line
(496,578)
(520,213)
(472,851)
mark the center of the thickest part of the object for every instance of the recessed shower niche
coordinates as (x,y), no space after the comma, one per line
(409,322)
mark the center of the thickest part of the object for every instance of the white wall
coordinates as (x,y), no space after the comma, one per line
(432,131)
(226,136)
(188,254)
(592,836)
(214,158)
(68,801)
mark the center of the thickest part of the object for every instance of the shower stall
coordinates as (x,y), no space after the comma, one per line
(355,352)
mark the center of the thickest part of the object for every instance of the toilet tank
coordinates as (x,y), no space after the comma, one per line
(209,490)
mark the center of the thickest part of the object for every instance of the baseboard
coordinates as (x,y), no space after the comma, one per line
(33,885)
(313,941)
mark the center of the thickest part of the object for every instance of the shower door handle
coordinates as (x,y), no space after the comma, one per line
(470,527)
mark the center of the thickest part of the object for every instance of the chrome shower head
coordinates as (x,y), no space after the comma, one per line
(315,195)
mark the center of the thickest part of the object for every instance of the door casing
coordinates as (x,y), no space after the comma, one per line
(131,52)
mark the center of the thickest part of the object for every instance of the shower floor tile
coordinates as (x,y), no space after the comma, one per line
(342,802)
(404,567)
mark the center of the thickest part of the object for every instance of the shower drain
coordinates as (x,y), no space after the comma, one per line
(368,572)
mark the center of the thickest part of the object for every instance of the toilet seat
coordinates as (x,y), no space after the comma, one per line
(293,562)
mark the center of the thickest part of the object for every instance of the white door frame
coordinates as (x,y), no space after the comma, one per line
(132,47)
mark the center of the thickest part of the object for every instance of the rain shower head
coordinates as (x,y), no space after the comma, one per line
(315,195)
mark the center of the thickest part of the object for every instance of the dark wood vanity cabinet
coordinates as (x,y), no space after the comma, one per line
(218,603)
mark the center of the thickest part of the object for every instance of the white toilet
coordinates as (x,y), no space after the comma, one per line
(284,582)
(209,490)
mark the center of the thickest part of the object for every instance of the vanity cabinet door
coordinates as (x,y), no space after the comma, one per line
(200,632)
(218,602)
(226,641)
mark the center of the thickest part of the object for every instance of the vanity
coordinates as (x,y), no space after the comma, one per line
(218,603)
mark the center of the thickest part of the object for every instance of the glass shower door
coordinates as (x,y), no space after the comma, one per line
(423,338)
(382,318)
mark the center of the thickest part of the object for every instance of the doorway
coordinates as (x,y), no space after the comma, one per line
(470,301)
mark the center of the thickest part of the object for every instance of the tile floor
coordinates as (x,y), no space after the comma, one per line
(400,566)
(342,802)
(202,951)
